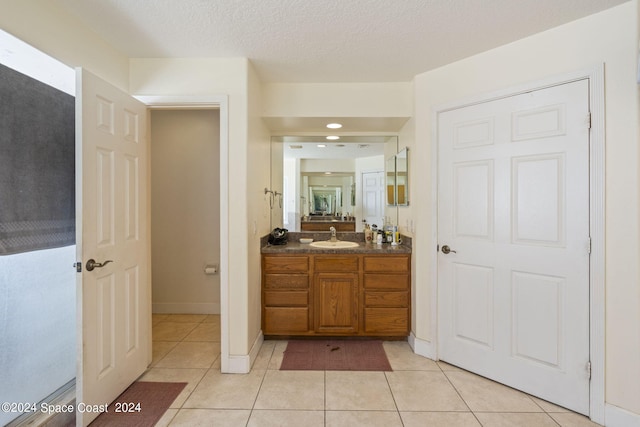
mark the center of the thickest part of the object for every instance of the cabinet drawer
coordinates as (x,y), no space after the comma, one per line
(387,263)
(286,281)
(336,263)
(285,320)
(286,298)
(286,264)
(386,320)
(386,299)
(386,281)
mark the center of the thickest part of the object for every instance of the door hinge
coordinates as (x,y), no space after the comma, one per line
(589,370)
(589,120)
(589,245)
(78,266)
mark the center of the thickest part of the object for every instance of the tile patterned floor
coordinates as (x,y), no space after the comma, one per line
(419,391)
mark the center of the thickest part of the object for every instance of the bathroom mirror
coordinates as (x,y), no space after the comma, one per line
(303,166)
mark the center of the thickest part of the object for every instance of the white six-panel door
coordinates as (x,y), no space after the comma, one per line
(373,198)
(114,301)
(513,203)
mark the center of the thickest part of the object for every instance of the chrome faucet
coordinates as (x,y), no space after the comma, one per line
(333,234)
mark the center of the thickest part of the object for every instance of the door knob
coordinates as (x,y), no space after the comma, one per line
(446,249)
(91,264)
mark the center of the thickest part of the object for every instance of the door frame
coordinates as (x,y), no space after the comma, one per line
(220,102)
(595,76)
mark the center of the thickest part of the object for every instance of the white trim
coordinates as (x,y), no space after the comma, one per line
(595,75)
(26,59)
(241,364)
(186,307)
(618,417)
(422,347)
(221,102)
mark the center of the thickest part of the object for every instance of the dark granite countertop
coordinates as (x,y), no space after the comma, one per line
(294,246)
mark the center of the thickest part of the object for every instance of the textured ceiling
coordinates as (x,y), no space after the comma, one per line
(325,40)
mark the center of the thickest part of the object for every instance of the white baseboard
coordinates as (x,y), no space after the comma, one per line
(241,364)
(422,347)
(618,417)
(185,308)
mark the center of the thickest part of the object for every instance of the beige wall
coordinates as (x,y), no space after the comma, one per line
(337,99)
(610,37)
(45,27)
(185,210)
(258,177)
(248,170)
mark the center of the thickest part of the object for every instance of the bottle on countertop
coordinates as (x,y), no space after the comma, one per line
(368,235)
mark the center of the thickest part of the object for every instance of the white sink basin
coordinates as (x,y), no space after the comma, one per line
(326,244)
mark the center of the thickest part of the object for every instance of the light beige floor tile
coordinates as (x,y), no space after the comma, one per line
(446,367)
(155,318)
(358,391)
(485,395)
(264,355)
(191,355)
(571,419)
(424,391)
(292,390)
(548,406)
(439,419)
(212,318)
(278,354)
(161,349)
(211,417)
(166,418)
(363,418)
(402,358)
(226,391)
(275,418)
(192,318)
(172,331)
(204,332)
(494,419)
(190,376)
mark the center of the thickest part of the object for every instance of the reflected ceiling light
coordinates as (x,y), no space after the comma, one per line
(295,147)
(340,145)
(334,125)
(327,173)
(321,145)
(333,137)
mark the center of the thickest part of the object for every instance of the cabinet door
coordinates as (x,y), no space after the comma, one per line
(336,297)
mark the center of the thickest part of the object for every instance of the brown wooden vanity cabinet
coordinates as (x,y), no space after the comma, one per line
(285,294)
(387,299)
(335,284)
(336,295)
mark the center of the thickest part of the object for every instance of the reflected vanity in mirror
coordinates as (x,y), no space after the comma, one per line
(338,183)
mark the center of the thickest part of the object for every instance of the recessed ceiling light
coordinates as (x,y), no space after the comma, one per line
(327,173)
(334,125)
(321,145)
(333,137)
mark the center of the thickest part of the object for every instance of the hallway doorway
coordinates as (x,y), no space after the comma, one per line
(185,210)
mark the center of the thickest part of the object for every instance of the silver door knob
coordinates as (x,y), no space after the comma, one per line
(91,264)
(446,249)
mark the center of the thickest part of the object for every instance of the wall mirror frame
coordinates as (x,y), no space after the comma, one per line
(402,177)
(397,178)
(297,167)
